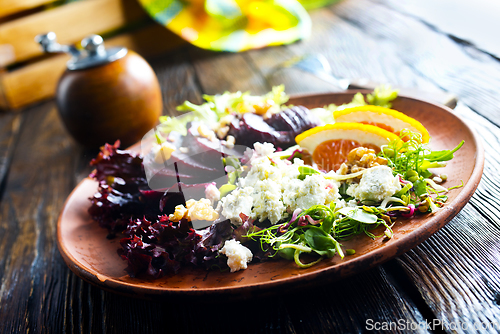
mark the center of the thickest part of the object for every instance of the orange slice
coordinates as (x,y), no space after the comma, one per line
(330,144)
(388,119)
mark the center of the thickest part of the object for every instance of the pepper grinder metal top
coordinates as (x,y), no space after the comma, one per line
(93,54)
(104,94)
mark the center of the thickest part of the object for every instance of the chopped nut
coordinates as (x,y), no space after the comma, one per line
(437,179)
(361,158)
(179,213)
(343,169)
(201,210)
(222,127)
(355,169)
(230,140)
(184,149)
(226,120)
(194,210)
(381,161)
(356,154)
(368,157)
(206,133)
(222,131)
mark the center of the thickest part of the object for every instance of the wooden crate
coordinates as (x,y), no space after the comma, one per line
(27,75)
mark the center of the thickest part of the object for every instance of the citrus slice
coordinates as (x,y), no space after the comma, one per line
(385,118)
(330,144)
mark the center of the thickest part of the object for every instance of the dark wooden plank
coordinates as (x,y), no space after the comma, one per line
(9,129)
(219,72)
(177,80)
(459,275)
(460,69)
(351,53)
(477,29)
(39,293)
(196,316)
(269,64)
(456,271)
(33,274)
(363,303)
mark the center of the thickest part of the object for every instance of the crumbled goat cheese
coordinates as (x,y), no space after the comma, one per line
(264,149)
(238,256)
(271,189)
(313,190)
(236,202)
(267,201)
(212,193)
(376,184)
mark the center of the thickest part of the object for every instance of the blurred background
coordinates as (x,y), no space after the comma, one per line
(153,28)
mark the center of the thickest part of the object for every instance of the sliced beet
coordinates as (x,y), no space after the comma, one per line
(251,128)
(296,119)
(279,129)
(186,191)
(208,152)
(184,163)
(163,178)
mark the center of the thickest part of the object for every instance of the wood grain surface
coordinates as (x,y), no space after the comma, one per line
(9,7)
(452,278)
(93,17)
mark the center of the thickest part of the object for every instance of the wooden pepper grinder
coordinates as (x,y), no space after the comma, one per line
(105,94)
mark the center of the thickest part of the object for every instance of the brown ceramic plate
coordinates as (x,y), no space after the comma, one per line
(94,258)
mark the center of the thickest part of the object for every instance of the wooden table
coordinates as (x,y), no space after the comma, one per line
(453,278)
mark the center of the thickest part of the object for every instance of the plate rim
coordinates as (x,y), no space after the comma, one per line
(373,258)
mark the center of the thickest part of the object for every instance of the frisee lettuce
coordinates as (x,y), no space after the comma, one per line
(220,105)
(381,96)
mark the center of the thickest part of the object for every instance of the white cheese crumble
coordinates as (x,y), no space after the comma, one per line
(376,184)
(212,193)
(271,189)
(236,202)
(238,256)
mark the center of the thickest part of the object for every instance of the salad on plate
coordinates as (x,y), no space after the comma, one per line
(245,178)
